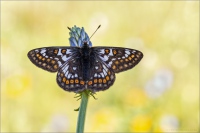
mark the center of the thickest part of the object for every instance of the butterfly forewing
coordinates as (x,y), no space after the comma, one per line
(51,58)
(118,59)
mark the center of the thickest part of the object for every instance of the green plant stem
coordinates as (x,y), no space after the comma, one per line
(82,112)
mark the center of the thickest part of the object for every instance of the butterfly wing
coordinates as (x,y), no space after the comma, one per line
(118,59)
(51,58)
(101,77)
(70,76)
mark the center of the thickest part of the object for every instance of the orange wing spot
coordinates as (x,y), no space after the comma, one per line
(76,81)
(95,80)
(104,81)
(43,59)
(37,55)
(67,81)
(55,51)
(107,78)
(114,52)
(100,80)
(48,60)
(108,72)
(40,57)
(126,60)
(55,66)
(61,75)
(107,51)
(53,61)
(90,82)
(82,82)
(121,60)
(71,81)
(116,62)
(129,58)
(132,55)
(114,67)
(64,79)
(120,67)
(63,51)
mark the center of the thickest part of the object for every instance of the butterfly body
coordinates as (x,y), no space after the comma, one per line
(86,59)
(82,66)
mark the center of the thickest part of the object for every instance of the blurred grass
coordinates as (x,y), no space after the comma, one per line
(167,32)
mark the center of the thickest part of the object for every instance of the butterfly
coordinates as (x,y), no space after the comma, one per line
(81,66)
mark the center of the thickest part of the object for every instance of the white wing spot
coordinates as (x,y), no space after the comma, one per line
(66,74)
(65,68)
(102,75)
(133,51)
(127,51)
(69,75)
(68,51)
(95,75)
(59,63)
(59,52)
(111,53)
(102,51)
(105,58)
(104,71)
(74,68)
(96,67)
(43,50)
(110,63)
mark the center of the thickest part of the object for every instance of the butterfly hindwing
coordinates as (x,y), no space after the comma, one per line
(117,58)
(101,77)
(51,58)
(70,76)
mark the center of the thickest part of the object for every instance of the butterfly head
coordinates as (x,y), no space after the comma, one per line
(78,37)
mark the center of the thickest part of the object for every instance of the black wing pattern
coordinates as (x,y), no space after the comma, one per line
(101,77)
(65,60)
(70,76)
(51,58)
(118,59)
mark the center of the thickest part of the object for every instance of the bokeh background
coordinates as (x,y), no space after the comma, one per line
(161,94)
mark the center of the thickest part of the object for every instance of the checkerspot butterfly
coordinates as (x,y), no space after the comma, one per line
(82,66)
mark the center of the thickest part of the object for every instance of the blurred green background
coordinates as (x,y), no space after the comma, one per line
(161,94)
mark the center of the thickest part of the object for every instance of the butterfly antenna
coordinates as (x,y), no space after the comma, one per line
(69,28)
(95,31)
